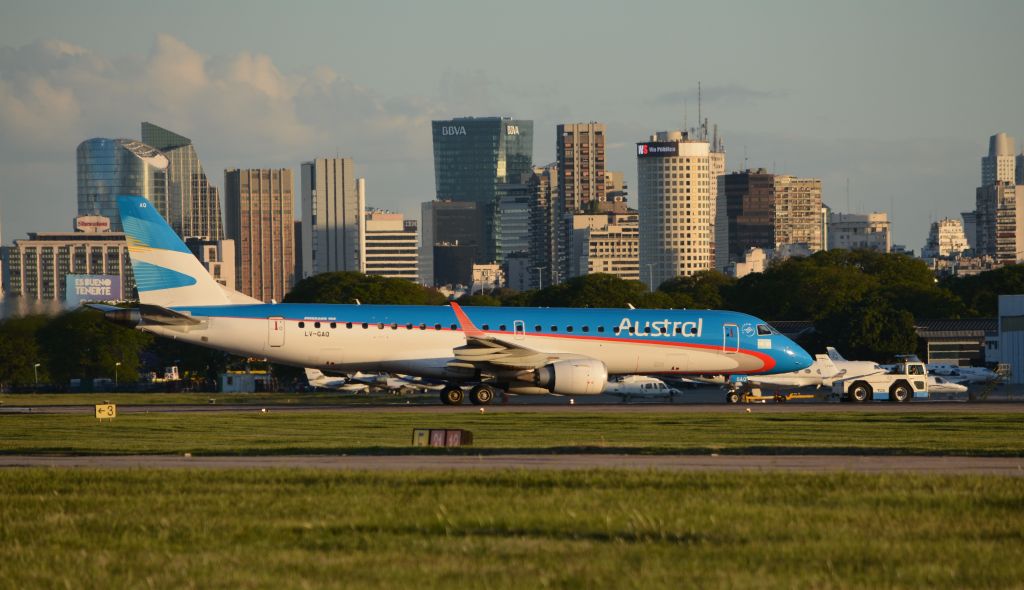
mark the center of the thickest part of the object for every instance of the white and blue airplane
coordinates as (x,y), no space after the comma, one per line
(512,349)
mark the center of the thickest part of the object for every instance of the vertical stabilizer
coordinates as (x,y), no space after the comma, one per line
(166,272)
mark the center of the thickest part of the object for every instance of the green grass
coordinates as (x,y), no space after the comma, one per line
(368,432)
(608,529)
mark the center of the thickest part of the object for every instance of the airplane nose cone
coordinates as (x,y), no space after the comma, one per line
(801,360)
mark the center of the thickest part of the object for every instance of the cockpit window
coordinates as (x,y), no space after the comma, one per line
(764,330)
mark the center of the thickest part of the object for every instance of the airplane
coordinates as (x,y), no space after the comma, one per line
(640,387)
(826,369)
(970,375)
(512,349)
(317,379)
(937,384)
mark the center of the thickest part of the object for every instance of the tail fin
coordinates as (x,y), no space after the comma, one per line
(825,365)
(166,272)
(834,354)
(314,376)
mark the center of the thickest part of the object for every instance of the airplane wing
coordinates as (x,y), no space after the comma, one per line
(483,351)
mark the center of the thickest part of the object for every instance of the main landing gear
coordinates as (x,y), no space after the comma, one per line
(481,395)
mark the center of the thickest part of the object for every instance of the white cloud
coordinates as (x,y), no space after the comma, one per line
(240,110)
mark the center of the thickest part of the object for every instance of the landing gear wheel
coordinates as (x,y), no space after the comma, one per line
(733,397)
(860,393)
(899,393)
(481,395)
(451,396)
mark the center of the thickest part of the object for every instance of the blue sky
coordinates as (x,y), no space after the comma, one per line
(899,98)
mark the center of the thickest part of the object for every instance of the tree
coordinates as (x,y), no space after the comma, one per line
(870,329)
(82,344)
(347,287)
(19,351)
(703,290)
(599,290)
(980,293)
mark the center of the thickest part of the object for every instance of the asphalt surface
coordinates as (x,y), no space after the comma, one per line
(1005,466)
(550,408)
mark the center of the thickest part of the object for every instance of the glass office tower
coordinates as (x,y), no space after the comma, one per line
(111,167)
(193,204)
(474,156)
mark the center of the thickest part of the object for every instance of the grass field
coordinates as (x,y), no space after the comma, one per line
(367,432)
(316,398)
(609,529)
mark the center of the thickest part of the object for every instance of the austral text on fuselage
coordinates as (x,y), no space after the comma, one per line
(663,328)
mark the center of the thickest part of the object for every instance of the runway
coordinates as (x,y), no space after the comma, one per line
(1004,466)
(999,407)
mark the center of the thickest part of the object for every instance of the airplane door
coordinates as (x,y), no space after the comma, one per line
(275,333)
(730,338)
(519,326)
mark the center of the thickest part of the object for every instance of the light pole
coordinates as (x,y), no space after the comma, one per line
(116,367)
(35,372)
(540,278)
(650,277)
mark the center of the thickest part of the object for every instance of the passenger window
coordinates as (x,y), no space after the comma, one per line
(302,324)
(380,326)
(664,330)
(316,325)
(394,326)
(501,328)
(568,328)
(485,327)
(348,325)
(632,330)
(554,328)
(423,326)
(585,328)
(615,330)
(408,326)
(437,326)
(334,325)
(365,325)
(454,327)
(600,329)
(647,330)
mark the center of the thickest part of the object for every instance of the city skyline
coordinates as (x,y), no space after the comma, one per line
(899,116)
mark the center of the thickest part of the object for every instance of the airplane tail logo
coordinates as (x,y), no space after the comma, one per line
(166,272)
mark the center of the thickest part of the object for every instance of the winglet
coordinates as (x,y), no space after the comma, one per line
(465,323)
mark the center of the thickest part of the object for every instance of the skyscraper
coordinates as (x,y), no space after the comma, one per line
(579,152)
(333,204)
(193,204)
(1000,222)
(452,233)
(945,238)
(676,192)
(999,164)
(746,215)
(545,222)
(389,243)
(472,156)
(258,207)
(797,212)
(111,167)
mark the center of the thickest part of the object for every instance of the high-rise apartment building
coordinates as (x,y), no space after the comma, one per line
(999,164)
(850,231)
(473,156)
(512,214)
(606,243)
(193,204)
(1019,177)
(945,238)
(676,193)
(1000,222)
(746,215)
(970,219)
(545,222)
(798,212)
(217,256)
(258,207)
(580,158)
(390,244)
(615,188)
(333,205)
(111,167)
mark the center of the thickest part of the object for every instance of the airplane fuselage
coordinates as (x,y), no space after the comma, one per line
(419,340)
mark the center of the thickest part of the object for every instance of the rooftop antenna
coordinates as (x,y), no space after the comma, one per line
(848,194)
(746,166)
(699,116)
(686,114)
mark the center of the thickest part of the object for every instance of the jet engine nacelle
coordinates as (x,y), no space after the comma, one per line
(573,377)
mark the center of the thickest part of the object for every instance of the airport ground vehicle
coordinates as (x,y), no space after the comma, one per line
(907,380)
